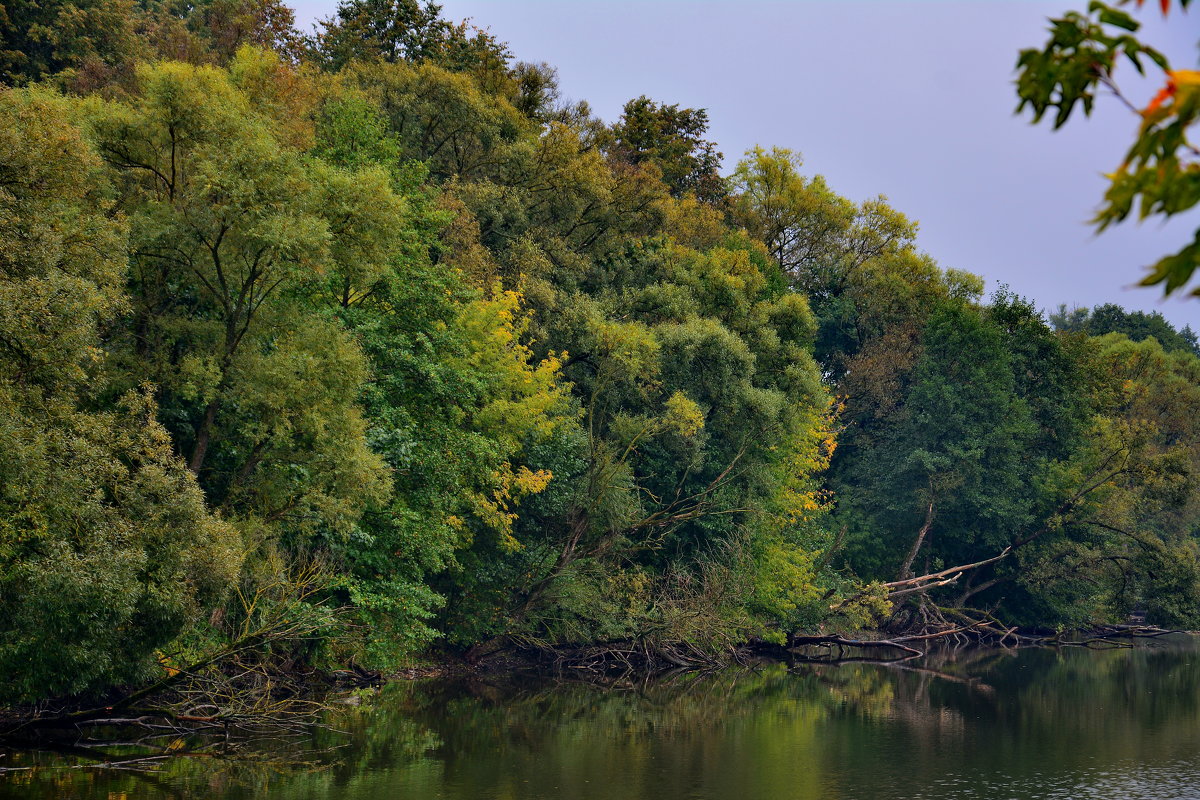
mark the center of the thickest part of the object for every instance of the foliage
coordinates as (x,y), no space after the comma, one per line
(107,549)
(38,40)
(957,452)
(377,339)
(1159,172)
(405,30)
(258,391)
(671,139)
(1137,325)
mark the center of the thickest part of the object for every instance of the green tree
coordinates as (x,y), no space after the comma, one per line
(672,139)
(106,547)
(458,406)
(440,117)
(691,367)
(949,477)
(212,31)
(858,265)
(230,231)
(405,30)
(39,40)
(1131,541)
(1137,325)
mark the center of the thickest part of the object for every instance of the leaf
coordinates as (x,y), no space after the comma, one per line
(1157,57)
(1111,16)
(1155,104)
(1184,77)
(1174,270)
(1132,56)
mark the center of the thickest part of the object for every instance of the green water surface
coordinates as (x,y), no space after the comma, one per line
(1068,723)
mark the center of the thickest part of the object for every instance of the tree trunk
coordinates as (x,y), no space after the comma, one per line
(203,435)
(906,567)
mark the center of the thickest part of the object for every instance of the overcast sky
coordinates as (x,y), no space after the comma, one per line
(912,100)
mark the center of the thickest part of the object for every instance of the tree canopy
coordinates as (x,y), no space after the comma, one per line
(375,329)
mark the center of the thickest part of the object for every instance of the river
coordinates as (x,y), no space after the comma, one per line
(1002,725)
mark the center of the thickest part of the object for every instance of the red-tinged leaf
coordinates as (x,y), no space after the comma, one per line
(1163,95)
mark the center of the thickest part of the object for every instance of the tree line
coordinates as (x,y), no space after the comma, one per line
(375,328)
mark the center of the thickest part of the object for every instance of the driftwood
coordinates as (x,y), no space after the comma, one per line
(626,657)
(933,630)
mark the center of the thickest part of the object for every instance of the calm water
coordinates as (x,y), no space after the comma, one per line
(1033,724)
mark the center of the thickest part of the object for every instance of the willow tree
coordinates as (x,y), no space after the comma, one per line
(106,547)
(229,230)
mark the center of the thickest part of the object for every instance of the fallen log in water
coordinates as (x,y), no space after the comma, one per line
(927,624)
(835,640)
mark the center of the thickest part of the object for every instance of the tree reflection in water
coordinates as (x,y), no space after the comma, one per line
(1029,723)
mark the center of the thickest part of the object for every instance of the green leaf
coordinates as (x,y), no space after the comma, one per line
(1111,16)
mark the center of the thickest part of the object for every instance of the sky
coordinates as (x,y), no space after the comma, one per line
(911,100)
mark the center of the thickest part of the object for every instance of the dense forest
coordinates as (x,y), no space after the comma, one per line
(350,345)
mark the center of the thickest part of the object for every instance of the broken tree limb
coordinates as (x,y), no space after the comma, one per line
(926,586)
(923,583)
(933,576)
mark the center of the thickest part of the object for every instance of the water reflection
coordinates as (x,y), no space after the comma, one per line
(983,724)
